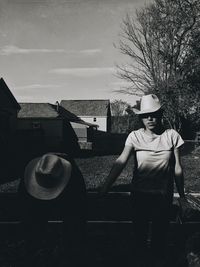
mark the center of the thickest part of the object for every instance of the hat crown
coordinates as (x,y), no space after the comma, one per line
(149,102)
(48,170)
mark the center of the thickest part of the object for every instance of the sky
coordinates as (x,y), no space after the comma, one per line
(63,49)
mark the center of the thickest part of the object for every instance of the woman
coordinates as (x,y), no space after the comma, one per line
(157,163)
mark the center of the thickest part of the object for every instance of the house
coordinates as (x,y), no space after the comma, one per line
(51,126)
(91,111)
(9,109)
(82,129)
(40,119)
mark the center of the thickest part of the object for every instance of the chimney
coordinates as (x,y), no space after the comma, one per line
(57,106)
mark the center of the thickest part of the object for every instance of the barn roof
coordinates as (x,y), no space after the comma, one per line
(66,114)
(87,107)
(7,99)
(37,110)
(47,110)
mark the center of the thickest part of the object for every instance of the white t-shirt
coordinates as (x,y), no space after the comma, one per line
(154,160)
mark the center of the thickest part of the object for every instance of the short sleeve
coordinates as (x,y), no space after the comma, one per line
(129,141)
(176,139)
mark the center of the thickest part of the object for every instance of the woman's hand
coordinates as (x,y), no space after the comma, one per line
(116,169)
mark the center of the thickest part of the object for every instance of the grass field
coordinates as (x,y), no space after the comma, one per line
(96,168)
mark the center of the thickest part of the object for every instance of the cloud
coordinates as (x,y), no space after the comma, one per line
(11,49)
(37,86)
(83,72)
(90,51)
(14,50)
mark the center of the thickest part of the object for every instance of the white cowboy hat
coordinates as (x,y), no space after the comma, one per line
(45,177)
(149,103)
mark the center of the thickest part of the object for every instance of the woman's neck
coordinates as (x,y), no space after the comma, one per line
(156,131)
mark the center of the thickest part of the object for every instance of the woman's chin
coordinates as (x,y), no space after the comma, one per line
(151,127)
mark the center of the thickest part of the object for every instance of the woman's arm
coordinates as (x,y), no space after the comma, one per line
(179,178)
(116,169)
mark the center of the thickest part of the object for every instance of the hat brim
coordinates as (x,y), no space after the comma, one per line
(40,192)
(140,112)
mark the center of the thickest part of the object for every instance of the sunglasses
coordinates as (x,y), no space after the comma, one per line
(156,114)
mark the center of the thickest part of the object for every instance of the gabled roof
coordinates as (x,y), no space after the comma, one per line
(65,114)
(47,110)
(86,107)
(37,110)
(7,99)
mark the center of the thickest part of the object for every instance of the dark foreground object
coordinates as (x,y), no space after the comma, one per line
(109,235)
(107,245)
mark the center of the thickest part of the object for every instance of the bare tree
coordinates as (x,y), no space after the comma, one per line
(118,107)
(158,43)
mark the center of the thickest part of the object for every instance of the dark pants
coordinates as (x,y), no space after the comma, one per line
(154,208)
